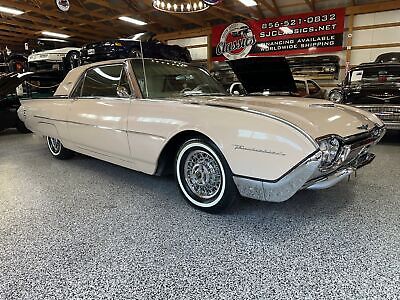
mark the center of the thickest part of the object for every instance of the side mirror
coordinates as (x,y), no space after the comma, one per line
(236,89)
(122,92)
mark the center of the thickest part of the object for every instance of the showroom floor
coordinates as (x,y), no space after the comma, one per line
(88,229)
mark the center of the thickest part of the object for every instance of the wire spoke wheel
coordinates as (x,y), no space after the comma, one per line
(54,145)
(202,174)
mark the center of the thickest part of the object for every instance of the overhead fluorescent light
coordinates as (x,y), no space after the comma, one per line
(11,11)
(133,21)
(55,34)
(53,40)
(248,2)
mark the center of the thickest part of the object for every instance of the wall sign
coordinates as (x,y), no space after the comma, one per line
(63,5)
(308,33)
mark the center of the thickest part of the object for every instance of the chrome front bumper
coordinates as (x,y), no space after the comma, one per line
(307,175)
(344,172)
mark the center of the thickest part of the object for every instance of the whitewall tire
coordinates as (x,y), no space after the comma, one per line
(203,176)
(57,149)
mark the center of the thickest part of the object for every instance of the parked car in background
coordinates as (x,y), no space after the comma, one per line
(389,57)
(315,67)
(374,87)
(50,68)
(132,47)
(183,121)
(309,88)
(10,102)
(13,62)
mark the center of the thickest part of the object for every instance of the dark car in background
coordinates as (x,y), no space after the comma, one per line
(10,101)
(374,87)
(133,47)
(315,67)
(389,57)
(13,62)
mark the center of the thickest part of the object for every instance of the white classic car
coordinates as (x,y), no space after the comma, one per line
(158,117)
(54,59)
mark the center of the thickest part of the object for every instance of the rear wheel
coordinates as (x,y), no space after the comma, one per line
(204,177)
(57,149)
(72,60)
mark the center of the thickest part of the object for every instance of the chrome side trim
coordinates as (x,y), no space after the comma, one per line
(101,127)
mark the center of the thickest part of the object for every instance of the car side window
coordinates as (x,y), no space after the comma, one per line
(312,87)
(102,81)
(301,88)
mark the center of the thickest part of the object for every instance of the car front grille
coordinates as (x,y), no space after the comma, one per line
(385,113)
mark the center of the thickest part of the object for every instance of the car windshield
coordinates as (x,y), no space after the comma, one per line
(168,79)
(374,75)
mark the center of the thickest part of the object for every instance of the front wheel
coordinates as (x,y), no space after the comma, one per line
(57,149)
(204,177)
(336,96)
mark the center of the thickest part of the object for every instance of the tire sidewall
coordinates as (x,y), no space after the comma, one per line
(56,154)
(183,152)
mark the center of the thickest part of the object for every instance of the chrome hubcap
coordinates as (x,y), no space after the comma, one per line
(202,174)
(55,145)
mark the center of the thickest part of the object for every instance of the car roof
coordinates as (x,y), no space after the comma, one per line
(68,83)
(374,64)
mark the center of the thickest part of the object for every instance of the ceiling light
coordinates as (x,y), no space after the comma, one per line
(181,6)
(52,40)
(11,11)
(133,21)
(54,34)
(248,2)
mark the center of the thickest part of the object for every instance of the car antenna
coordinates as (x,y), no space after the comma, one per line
(144,69)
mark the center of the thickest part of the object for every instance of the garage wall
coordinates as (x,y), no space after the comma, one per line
(373,34)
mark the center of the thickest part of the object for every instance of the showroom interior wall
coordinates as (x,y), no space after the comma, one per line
(371,34)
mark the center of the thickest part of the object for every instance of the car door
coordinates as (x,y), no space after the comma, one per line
(98,115)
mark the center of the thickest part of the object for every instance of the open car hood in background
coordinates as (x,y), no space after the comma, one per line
(9,82)
(260,74)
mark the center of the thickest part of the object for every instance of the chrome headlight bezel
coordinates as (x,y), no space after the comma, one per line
(330,147)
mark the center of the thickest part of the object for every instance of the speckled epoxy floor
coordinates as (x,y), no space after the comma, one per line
(85,229)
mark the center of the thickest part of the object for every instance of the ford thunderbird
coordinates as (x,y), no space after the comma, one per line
(160,117)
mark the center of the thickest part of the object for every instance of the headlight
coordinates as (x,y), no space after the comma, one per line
(330,149)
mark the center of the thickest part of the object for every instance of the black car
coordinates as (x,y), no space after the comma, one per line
(374,87)
(132,47)
(315,67)
(10,102)
(389,57)
(13,62)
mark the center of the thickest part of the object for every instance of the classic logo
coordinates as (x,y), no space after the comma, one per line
(63,5)
(236,41)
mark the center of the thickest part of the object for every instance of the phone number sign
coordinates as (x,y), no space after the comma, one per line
(308,33)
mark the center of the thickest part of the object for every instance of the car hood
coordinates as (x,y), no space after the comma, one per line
(316,117)
(259,74)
